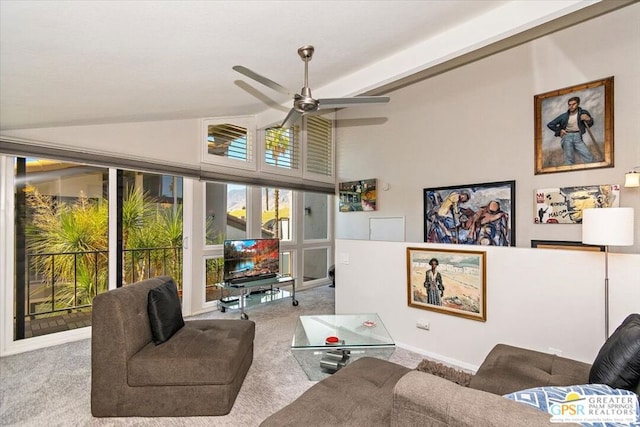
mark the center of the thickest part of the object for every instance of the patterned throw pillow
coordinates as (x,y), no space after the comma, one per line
(547,399)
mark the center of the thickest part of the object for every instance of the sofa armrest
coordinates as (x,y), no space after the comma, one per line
(421,399)
(507,369)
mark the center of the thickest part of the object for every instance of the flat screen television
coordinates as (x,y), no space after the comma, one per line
(251,259)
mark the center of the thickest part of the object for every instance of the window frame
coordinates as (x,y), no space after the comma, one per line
(297,150)
(248,204)
(247,122)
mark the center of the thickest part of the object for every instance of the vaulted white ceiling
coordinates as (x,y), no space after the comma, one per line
(86,62)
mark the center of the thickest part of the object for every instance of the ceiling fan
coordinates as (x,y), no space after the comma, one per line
(304,103)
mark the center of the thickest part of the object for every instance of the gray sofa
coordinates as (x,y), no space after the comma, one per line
(197,371)
(374,392)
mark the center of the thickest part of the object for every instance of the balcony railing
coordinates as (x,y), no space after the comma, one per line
(86,275)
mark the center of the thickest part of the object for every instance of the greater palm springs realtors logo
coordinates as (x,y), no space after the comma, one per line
(605,408)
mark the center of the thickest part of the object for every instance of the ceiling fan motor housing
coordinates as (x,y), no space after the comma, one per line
(304,102)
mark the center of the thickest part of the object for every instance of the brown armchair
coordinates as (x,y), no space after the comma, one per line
(198,371)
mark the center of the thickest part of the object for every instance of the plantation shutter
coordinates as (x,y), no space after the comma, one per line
(319,146)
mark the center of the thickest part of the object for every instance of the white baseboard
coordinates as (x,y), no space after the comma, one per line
(37,343)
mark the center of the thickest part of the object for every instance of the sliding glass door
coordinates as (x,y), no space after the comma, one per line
(61,239)
(61,244)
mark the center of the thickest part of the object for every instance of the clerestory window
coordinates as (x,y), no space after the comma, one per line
(230,142)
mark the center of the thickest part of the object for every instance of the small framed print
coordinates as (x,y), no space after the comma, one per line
(357,196)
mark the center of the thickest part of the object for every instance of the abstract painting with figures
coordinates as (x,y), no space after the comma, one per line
(476,214)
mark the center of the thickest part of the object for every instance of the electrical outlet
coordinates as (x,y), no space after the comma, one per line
(344,258)
(422,324)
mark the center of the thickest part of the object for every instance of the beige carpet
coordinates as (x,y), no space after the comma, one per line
(52,387)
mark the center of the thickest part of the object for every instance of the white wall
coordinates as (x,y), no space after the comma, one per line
(536,298)
(475,124)
(175,142)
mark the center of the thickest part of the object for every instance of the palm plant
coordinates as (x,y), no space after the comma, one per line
(138,209)
(168,229)
(66,239)
(68,243)
(147,225)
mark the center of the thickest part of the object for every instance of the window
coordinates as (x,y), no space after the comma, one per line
(315,264)
(315,216)
(225,212)
(225,217)
(300,157)
(286,263)
(277,213)
(229,142)
(214,271)
(282,150)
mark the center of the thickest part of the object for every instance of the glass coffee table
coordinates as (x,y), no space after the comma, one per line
(324,344)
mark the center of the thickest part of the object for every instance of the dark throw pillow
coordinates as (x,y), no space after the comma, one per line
(618,362)
(165,313)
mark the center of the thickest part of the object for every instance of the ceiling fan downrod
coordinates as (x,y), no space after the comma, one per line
(305,102)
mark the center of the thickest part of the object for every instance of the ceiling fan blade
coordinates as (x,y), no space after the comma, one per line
(327,103)
(291,119)
(261,79)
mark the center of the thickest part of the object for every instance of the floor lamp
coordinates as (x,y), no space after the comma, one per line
(608,227)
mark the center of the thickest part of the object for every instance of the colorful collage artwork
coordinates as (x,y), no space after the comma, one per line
(358,195)
(564,205)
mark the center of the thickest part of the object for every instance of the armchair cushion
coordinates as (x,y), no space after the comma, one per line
(203,352)
(165,312)
(618,362)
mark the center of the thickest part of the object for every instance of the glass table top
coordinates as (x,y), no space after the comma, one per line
(340,330)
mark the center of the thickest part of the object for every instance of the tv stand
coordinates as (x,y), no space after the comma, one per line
(257,292)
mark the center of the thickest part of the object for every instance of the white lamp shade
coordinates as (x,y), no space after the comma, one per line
(607,226)
(632,179)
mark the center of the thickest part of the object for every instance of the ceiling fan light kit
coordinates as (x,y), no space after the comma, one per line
(304,102)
